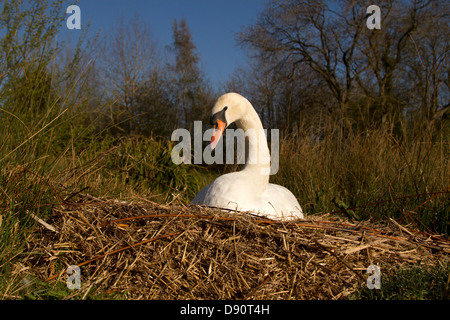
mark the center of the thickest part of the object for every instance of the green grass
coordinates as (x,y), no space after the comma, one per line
(412,283)
(30,288)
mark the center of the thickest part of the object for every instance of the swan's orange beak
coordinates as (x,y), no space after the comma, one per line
(217,134)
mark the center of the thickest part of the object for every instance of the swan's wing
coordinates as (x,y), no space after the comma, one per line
(201,196)
(283,201)
(224,189)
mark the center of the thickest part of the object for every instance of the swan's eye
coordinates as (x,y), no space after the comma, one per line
(225,108)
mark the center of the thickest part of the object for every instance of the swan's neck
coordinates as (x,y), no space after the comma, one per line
(257,158)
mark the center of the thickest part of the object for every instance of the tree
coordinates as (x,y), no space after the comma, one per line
(425,66)
(128,59)
(154,105)
(26,50)
(364,73)
(308,33)
(279,92)
(386,51)
(191,94)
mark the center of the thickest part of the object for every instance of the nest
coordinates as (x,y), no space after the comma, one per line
(146,250)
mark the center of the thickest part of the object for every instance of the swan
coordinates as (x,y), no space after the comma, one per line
(247,190)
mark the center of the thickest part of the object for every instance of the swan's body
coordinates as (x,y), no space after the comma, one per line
(248,189)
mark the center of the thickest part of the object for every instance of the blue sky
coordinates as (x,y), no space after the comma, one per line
(213,24)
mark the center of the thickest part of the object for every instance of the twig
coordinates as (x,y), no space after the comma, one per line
(253,291)
(434,196)
(401,227)
(74,194)
(42,222)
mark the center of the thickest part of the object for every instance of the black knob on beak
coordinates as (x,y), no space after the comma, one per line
(218,115)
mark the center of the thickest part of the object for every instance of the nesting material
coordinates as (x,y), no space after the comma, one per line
(145,250)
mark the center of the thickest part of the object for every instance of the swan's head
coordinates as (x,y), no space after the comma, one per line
(229,108)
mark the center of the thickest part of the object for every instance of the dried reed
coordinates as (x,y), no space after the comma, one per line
(151,251)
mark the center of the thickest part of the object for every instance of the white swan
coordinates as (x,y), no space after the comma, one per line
(248,189)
